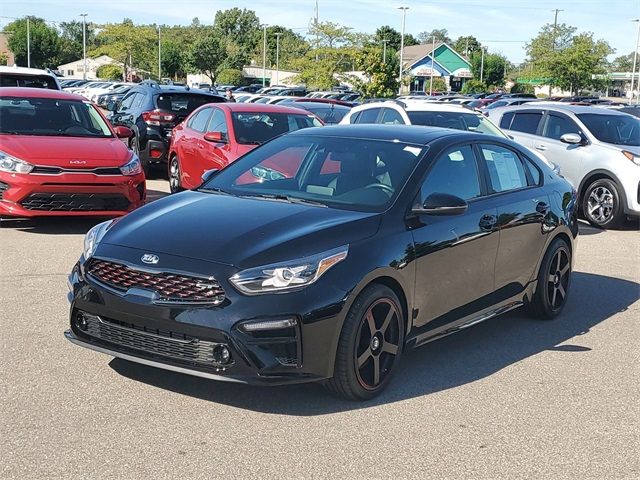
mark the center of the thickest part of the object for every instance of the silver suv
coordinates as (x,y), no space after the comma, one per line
(597,150)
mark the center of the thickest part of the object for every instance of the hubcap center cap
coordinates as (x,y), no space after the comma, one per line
(556,279)
(375,343)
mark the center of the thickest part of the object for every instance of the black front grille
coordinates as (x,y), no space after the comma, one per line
(156,342)
(76,202)
(3,188)
(169,287)
(58,170)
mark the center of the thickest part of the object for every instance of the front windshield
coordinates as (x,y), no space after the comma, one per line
(471,122)
(253,128)
(46,116)
(346,173)
(615,129)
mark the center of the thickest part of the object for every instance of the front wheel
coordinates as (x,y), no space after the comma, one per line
(553,282)
(370,345)
(174,175)
(601,204)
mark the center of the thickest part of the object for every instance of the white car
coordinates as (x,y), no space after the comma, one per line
(28,77)
(597,150)
(93,93)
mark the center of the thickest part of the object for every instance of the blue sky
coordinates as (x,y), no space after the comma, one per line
(502,25)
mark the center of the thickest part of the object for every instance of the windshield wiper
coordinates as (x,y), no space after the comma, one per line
(284,198)
(215,190)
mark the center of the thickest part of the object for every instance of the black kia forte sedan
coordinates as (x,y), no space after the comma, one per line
(323,254)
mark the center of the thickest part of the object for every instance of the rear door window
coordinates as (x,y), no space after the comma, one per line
(200,120)
(526,122)
(368,116)
(391,117)
(557,125)
(506,170)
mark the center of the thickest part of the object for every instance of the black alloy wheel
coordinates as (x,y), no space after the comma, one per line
(601,204)
(174,175)
(370,345)
(553,284)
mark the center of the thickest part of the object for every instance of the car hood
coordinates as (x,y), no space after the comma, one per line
(66,152)
(243,232)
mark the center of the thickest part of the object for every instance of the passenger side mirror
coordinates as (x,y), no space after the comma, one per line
(215,137)
(209,174)
(571,139)
(123,132)
(441,204)
(112,106)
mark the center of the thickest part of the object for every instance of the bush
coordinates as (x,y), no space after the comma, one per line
(230,76)
(109,72)
(523,88)
(474,86)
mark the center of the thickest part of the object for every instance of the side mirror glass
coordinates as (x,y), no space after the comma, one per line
(209,174)
(441,204)
(215,137)
(571,138)
(123,132)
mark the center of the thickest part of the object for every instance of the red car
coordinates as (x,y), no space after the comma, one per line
(60,156)
(215,135)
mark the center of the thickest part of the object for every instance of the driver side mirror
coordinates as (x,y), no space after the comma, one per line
(571,139)
(441,204)
(209,174)
(123,132)
(215,137)
(112,106)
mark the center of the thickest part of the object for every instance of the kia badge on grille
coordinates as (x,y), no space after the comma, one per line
(150,258)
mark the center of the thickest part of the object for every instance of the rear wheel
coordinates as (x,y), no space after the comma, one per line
(174,175)
(553,283)
(370,345)
(602,205)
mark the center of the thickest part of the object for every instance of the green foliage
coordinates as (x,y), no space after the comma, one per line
(474,86)
(623,63)
(523,88)
(381,78)
(493,70)
(410,40)
(135,46)
(45,42)
(391,35)
(70,43)
(207,55)
(109,72)
(4,58)
(173,59)
(439,85)
(230,76)
(442,35)
(292,47)
(467,45)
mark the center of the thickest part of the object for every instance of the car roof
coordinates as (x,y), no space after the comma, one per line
(401,133)
(259,108)
(25,71)
(28,92)
(320,105)
(559,107)
(418,106)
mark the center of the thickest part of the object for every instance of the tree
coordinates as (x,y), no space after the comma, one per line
(474,86)
(110,72)
(330,35)
(4,58)
(207,55)
(239,26)
(410,40)
(230,76)
(493,70)
(467,45)
(391,35)
(549,41)
(292,46)
(44,40)
(623,63)
(442,35)
(71,40)
(173,59)
(135,46)
(381,78)
(523,88)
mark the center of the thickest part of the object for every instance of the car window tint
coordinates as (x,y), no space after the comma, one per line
(368,116)
(526,122)
(139,100)
(556,126)
(200,120)
(535,173)
(218,122)
(281,165)
(506,171)
(505,121)
(391,117)
(128,101)
(454,172)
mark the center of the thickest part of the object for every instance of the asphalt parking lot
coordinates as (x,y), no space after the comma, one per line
(511,398)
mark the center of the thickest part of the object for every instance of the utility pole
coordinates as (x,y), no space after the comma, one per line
(384,51)
(278,58)
(28,44)
(482,65)
(264,55)
(317,16)
(84,45)
(159,57)
(635,59)
(433,54)
(404,14)
(555,38)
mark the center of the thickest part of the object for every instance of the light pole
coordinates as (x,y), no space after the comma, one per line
(404,14)
(635,59)
(278,58)
(159,57)
(482,65)
(84,45)
(433,54)
(384,51)
(28,45)
(264,55)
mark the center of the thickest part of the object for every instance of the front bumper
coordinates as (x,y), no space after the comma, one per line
(140,330)
(70,194)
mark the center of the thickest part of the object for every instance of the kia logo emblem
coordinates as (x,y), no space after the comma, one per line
(77,162)
(150,258)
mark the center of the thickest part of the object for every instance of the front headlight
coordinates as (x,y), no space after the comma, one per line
(287,276)
(12,164)
(132,167)
(93,237)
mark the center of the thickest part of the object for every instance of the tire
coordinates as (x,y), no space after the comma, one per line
(602,205)
(173,173)
(366,360)
(554,280)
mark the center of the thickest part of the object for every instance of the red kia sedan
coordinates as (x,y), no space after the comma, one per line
(60,156)
(216,134)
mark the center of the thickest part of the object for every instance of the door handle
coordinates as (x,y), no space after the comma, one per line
(542,208)
(540,148)
(487,222)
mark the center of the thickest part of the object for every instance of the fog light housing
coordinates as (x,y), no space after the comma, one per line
(221,355)
(269,325)
(81,322)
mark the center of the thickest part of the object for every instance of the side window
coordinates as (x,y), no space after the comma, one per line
(391,117)
(199,121)
(368,116)
(506,171)
(535,173)
(526,122)
(505,121)
(128,101)
(218,122)
(354,118)
(139,100)
(455,172)
(556,126)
